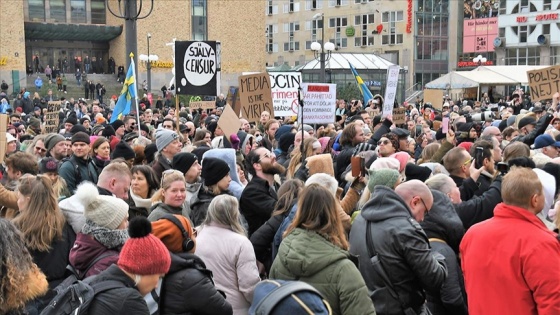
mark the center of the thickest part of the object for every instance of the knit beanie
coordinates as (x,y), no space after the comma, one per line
(105,211)
(213,170)
(123,150)
(48,165)
(282,131)
(77,128)
(164,137)
(413,171)
(52,139)
(199,152)
(403,158)
(385,162)
(35,122)
(143,254)
(234,139)
(108,131)
(212,126)
(117,124)
(170,234)
(385,177)
(150,152)
(183,161)
(80,136)
(286,141)
(71,120)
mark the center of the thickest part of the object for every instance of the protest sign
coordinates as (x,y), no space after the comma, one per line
(254,91)
(51,117)
(435,97)
(196,67)
(229,122)
(391,89)
(399,116)
(3,144)
(544,82)
(233,100)
(202,105)
(284,89)
(319,103)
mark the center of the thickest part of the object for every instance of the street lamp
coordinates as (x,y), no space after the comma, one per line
(322,52)
(479,60)
(148,59)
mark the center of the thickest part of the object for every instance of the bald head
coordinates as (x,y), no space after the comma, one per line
(417,196)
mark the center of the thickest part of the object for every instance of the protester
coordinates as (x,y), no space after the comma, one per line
(216,175)
(170,198)
(142,188)
(49,167)
(168,144)
(78,168)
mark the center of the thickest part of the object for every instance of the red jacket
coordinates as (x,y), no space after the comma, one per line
(511,265)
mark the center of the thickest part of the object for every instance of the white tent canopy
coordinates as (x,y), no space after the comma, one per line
(359,61)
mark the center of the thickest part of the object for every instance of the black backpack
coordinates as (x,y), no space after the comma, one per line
(76,298)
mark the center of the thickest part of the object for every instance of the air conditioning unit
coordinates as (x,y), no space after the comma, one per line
(543,40)
(499,42)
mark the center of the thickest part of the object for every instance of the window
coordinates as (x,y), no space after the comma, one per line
(363,33)
(337,3)
(522,33)
(271,9)
(396,16)
(78,11)
(199,20)
(292,6)
(291,46)
(36,10)
(392,39)
(546,29)
(338,22)
(524,6)
(58,11)
(364,41)
(97,12)
(291,27)
(547,5)
(313,4)
(271,29)
(363,1)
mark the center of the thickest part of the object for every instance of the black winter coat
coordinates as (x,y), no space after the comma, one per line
(257,203)
(480,208)
(120,301)
(199,209)
(539,129)
(343,159)
(263,237)
(188,288)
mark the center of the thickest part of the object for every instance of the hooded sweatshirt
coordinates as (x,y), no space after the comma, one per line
(228,156)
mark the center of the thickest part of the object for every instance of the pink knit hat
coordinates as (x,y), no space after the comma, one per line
(403,158)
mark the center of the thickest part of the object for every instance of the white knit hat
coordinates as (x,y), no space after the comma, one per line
(105,211)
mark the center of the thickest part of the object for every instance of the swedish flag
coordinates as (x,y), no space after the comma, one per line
(128,93)
(366,93)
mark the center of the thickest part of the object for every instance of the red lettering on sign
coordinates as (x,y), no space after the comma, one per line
(317,88)
(521,19)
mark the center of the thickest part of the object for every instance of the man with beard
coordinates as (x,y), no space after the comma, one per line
(259,197)
(56,146)
(17,165)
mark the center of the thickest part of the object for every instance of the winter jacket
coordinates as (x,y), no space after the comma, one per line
(510,264)
(188,288)
(539,129)
(86,249)
(76,170)
(309,257)
(257,203)
(161,209)
(199,209)
(263,238)
(403,251)
(36,285)
(160,165)
(342,161)
(124,300)
(480,208)
(445,230)
(467,186)
(231,258)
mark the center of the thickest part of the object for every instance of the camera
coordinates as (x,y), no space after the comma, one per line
(503,168)
(484,116)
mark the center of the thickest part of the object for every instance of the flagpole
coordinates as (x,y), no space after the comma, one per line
(135,95)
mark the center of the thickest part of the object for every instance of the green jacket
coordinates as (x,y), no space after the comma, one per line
(309,257)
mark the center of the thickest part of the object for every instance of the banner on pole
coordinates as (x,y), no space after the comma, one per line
(391,89)
(51,117)
(319,103)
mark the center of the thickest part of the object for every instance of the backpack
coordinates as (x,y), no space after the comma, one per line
(288,297)
(75,298)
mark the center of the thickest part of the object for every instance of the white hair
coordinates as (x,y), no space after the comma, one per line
(323,180)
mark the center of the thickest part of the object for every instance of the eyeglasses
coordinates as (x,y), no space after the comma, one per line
(468,161)
(384,142)
(425,207)
(40,149)
(268,155)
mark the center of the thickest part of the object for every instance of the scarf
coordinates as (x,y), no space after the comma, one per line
(141,202)
(112,239)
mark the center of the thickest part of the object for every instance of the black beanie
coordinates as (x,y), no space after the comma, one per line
(117,124)
(212,127)
(150,152)
(286,140)
(213,170)
(77,128)
(72,120)
(413,171)
(80,136)
(108,132)
(199,152)
(183,161)
(123,150)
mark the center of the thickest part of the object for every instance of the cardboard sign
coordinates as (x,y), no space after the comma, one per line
(254,92)
(196,67)
(435,97)
(202,105)
(3,126)
(319,103)
(544,82)
(229,122)
(284,88)
(399,116)
(232,99)
(391,89)
(51,117)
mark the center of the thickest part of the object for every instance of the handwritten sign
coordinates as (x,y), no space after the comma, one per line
(544,82)
(202,105)
(196,67)
(229,122)
(284,86)
(399,116)
(435,97)
(319,103)
(233,99)
(391,89)
(254,92)
(52,118)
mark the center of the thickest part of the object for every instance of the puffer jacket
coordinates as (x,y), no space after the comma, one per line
(86,250)
(403,250)
(188,288)
(307,256)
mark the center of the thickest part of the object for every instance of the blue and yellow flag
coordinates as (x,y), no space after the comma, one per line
(366,93)
(128,94)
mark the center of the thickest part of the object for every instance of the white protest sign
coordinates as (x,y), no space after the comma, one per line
(284,89)
(319,103)
(390,89)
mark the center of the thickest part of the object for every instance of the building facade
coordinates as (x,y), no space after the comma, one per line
(65,34)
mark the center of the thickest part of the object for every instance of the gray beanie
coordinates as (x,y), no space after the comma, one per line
(105,211)
(52,139)
(164,137)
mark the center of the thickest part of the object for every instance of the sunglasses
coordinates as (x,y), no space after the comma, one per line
(384,142)
(468,161)
(40,149)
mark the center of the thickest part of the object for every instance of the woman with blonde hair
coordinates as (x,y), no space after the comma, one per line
(18,269)
(170,198)
(223,245)
(47,235)
(315,251)
(311,147)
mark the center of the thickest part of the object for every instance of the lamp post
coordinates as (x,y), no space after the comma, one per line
(322,52)
(479,60)
(148,59)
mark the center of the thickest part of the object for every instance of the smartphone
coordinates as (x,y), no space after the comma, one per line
(479,157)
(445,125)
(356,163)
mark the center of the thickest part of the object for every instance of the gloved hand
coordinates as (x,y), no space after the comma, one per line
(302,173)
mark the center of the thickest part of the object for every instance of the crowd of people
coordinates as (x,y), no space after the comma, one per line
(453,212)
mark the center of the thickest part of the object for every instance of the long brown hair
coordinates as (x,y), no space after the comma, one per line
(295,160)
(317,212)
(287,195)
(42,222)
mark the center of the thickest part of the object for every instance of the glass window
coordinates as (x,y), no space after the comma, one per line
(36,10)
(199,27)
(58,10)
(78,11)
(97,12)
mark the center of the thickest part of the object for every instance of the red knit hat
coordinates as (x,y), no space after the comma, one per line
(143,253)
